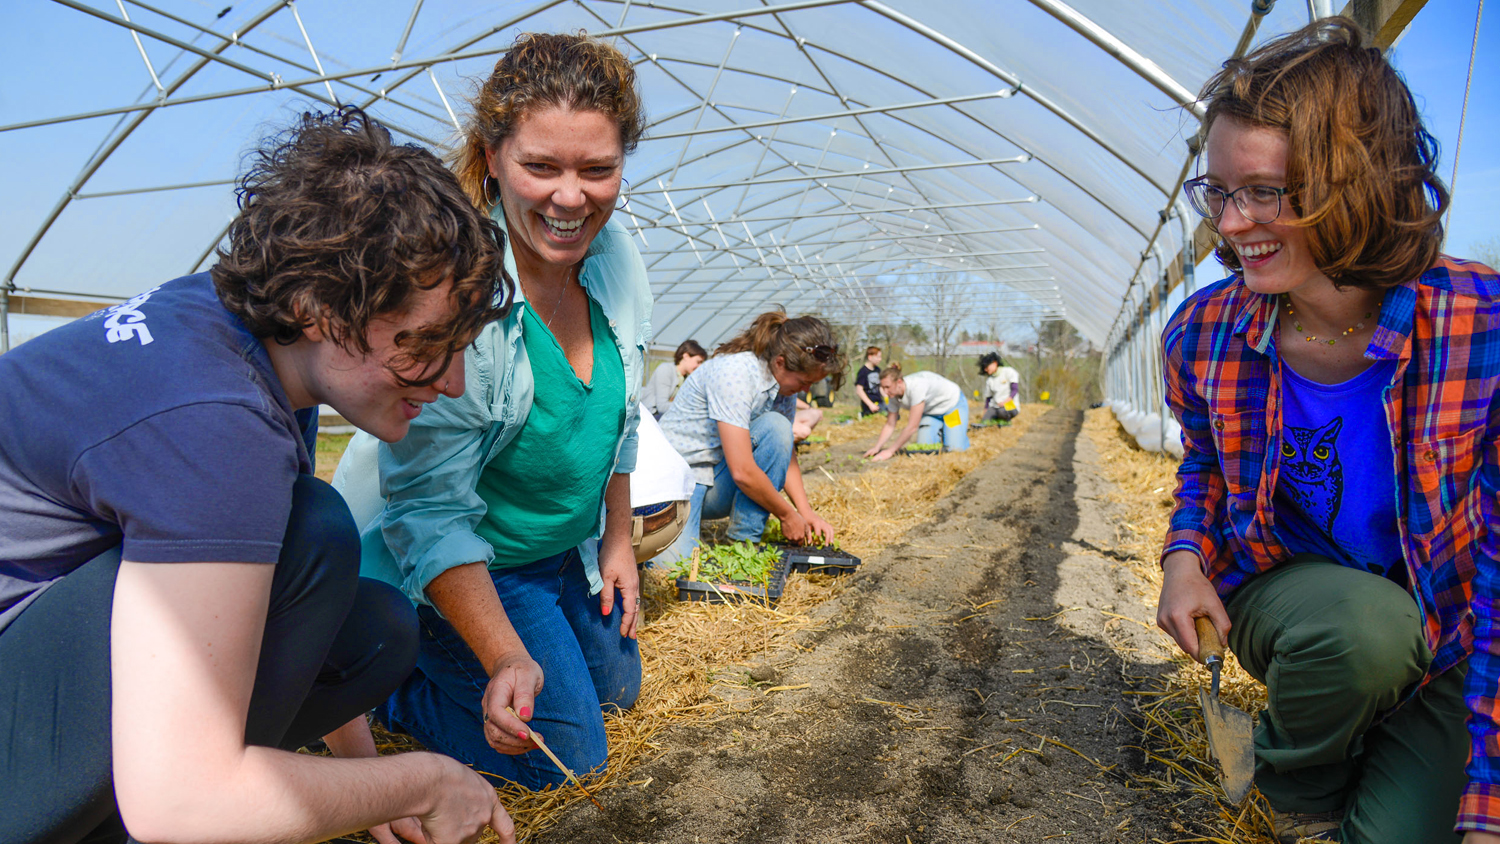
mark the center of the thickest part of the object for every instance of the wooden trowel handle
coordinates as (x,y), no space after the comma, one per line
(1210,645)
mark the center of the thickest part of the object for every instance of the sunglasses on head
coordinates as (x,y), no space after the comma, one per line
(822,353)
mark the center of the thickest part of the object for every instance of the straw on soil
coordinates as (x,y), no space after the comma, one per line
(1168,715)
(695,655)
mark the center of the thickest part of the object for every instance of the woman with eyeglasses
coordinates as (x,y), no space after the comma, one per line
(1337,396)
(732,420)
(506,516)
(937,412)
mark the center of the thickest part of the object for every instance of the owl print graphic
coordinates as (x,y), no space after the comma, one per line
(1312,473)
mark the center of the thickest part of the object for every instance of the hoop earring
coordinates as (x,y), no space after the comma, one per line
(624,195)
(484,188)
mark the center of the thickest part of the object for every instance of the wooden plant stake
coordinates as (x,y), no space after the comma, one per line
(558,762)
(693,572)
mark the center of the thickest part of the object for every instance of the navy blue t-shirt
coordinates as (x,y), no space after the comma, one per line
(157,425)
(1336,489)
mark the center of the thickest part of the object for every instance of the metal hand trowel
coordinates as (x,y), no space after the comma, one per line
(1229,739)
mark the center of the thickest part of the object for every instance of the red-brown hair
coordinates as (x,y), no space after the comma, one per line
(1361,167)
(773,334)
(544,70)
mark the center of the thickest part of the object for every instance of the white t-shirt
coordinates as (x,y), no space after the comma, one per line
(997,386)
(940,395)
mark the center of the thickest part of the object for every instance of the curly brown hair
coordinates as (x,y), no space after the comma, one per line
(543,70)
(773,334)
(1361,167)
(338,225)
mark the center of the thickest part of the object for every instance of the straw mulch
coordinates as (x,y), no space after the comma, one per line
(696,655)
(1169,716)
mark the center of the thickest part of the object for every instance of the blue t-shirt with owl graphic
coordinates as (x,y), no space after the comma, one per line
(1336,491)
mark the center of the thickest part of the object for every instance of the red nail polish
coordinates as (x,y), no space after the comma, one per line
(525,713)
(521,734)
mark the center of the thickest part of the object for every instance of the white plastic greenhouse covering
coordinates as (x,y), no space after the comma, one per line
(991,163)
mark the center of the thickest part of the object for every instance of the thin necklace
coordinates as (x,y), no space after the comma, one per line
(1358,326)
(556,307)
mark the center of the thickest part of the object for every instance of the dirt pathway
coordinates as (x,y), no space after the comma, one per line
(971,686)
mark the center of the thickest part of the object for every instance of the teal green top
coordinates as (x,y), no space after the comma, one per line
(544,492)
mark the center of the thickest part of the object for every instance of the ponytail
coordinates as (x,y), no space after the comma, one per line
(773,334)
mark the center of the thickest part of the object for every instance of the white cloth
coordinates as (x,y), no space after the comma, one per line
(661,474)
(997,386)
(940,395)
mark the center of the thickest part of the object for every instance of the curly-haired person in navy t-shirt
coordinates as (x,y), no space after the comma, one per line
(180,604)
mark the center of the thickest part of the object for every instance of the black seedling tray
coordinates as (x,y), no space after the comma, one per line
(735,590)
(926,452)
(825,560)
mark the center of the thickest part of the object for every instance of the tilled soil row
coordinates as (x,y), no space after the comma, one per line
(968,687)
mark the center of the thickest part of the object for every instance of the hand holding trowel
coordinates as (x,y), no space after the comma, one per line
(1229,740)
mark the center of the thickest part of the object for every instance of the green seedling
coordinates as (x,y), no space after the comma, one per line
(740,561)
(774,536)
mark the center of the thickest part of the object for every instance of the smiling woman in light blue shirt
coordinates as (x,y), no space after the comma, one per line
(505,514)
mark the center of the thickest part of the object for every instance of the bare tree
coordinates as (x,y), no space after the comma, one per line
(1486,251)
(944,307)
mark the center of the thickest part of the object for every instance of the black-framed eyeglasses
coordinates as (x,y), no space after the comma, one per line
(822,353)
(1256,203)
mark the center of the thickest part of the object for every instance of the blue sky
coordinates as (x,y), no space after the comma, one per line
(1434,58)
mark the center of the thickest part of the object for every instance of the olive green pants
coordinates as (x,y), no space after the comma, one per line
(1335,647)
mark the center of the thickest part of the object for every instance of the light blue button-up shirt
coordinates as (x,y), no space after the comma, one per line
(426,482)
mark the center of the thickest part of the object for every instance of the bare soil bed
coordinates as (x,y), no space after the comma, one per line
(976,683)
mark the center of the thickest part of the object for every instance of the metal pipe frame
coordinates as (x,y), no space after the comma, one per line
(841,217)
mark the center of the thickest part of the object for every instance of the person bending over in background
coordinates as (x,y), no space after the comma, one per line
(1001,391)
(506,515)
(867,384)
(732,420)
(179,599)
(668,377)
(1335,510)
(939,412)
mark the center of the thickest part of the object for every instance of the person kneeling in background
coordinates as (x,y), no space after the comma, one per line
(939,412)
(733,422)
(1002,389)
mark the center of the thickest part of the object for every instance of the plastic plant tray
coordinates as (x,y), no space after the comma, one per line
(924,451)
(735,590)
(824,560)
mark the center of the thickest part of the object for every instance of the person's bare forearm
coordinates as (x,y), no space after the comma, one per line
(466,597)
(276,797)
(353,740)
(617,514)
(907,433)
(795,490)
(885,431)
(184,641)
(758,486)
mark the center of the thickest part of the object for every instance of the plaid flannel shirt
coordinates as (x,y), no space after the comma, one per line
(1223,381)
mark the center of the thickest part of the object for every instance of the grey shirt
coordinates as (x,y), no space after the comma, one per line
(663,383)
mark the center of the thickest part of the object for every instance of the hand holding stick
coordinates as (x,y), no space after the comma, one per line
(558,762)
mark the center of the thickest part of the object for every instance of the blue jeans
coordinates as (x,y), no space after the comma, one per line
(933,430)
(771,445)
(586,665)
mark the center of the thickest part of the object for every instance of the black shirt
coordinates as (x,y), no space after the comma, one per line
(869,378)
